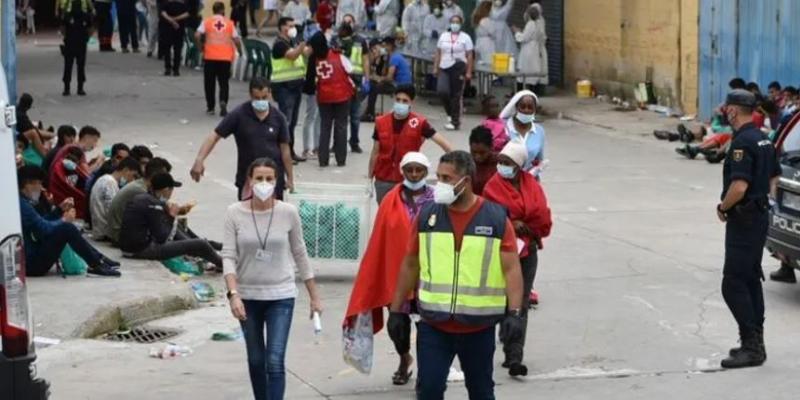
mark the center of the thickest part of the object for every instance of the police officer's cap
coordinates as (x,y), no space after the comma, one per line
(741,97)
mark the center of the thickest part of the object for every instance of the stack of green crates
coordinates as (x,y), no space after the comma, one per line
(330,230)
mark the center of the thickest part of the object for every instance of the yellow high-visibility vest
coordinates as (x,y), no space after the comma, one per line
(465,285)
(285,70)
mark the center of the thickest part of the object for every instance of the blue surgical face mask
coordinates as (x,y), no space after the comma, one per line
(260,105)
(69,164)
(401,110)
(455,27)
(525,118)
(414,185)
(506,172)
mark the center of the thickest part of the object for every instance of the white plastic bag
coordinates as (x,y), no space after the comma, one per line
(357,342)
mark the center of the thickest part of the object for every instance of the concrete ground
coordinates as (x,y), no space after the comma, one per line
(629,280)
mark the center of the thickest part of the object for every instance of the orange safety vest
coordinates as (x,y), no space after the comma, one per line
(219,44)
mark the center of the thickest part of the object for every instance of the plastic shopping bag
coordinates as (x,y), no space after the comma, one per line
(71,262)
(357,341)
(180,265)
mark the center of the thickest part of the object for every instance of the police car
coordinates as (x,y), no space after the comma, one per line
(783,237)
(17,373)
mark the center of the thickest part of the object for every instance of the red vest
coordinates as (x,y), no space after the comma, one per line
(392,147)
(333,82)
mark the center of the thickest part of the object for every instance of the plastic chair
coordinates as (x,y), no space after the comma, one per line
(255,58)
(192,58)
(265,68)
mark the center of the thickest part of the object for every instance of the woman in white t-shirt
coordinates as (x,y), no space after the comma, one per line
(452,65)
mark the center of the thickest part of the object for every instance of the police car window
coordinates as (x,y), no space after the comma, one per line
(792,141)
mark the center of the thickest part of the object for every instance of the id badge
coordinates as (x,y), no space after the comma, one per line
(263,255)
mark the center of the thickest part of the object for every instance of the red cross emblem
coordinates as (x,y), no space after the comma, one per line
(413,122)
(219,25)
(324,70)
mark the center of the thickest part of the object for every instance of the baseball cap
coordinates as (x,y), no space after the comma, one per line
(163,181)
(740,97)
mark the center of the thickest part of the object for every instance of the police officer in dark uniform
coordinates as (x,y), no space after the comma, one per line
(77,18)
(749,176)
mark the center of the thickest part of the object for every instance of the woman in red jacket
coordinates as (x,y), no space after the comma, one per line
(526,203)
(334,91)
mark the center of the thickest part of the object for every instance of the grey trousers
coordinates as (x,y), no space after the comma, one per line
(311,126)
(514,349)
(152,30)
(382,188)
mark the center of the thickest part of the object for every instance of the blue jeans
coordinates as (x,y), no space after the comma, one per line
(289,95)
(435,353)
(50,247)
(265,359)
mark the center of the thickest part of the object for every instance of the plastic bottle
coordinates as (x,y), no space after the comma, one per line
(317,327)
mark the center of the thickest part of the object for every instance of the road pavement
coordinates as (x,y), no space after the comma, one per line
(629,280)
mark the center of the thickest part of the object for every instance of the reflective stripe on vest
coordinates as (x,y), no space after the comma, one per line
(467,285)
(66,6)
(218,39)
(356,59)
(284,69)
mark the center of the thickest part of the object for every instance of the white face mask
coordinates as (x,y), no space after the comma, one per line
(292,33)
(35,196)
(263,190)
(445,193)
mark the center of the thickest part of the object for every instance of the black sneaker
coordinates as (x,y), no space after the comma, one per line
(784,274)
(356,149)
(176,73)
(104,270)
(125,50)
(367,118)
(223,111)
(149,54)
(167,73)
(109,262)
(518,369)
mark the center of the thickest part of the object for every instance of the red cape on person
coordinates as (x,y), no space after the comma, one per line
(528,205)
(376,281)
(63,184)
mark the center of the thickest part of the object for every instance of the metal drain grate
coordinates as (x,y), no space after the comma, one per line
(142,334)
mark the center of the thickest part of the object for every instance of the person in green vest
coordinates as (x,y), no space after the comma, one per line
(356,48)
(462,256)
(76,17)
(288,74)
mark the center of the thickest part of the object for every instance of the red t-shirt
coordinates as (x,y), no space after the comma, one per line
(460,220)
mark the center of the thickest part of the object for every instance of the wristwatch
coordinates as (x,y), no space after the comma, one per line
(232,293)
(515,312)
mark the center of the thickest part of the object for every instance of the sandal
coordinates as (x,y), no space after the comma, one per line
(399,378)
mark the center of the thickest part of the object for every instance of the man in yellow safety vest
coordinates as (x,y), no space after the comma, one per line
(462,257)
(288,74)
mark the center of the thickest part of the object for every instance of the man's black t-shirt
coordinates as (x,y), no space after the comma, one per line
(173,8)
(255,138)
(280,47)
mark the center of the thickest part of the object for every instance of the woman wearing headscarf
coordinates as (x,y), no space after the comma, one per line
(374,286)
(484,33)
(533,51)
(525,201)
(330,69)
(503,36)
(520,117)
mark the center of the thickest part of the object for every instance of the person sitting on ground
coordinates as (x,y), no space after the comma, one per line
(103,192)
(37,137)
(66,134)
(46,236)
(126,194)
(790,100)
(88,139)
(67,180)
(485,158)
(21,143)
(119,152)
(142,154)
(490,109)
(377,276)
(523,198)
(149,227)
(396,134)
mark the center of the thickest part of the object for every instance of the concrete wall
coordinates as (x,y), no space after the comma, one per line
(618,43)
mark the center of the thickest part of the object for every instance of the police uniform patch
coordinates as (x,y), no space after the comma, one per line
(738,155)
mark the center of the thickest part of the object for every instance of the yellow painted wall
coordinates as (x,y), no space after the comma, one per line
(618,43)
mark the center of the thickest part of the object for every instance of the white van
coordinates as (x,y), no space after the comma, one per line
(17,374)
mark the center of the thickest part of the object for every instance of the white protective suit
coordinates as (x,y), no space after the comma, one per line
(413,19)
(432,27)
(386,13)
(504,38)
(296,11)
(533,52)
(354,8)
(485,41)
(452,10)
